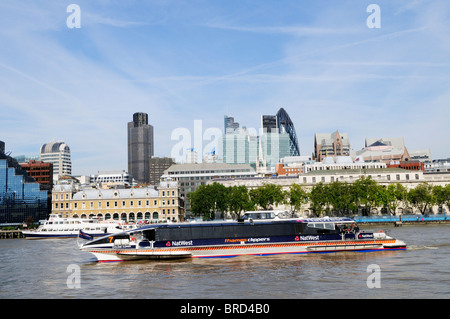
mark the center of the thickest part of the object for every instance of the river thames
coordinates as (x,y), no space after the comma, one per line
(55,268)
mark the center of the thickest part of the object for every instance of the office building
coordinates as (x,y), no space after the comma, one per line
(330,145)
(230,125)
(42,173)
(111,179)
(384,150)
(20,196)
(140,147)
(57,153)
(157,167)
(278,139)
(240,147)
(269,123)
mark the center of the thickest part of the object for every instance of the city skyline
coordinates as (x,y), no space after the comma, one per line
(183,61)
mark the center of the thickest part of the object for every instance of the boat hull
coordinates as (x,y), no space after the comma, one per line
(224,251)
(63,234)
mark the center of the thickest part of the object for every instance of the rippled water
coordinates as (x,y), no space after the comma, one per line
(39,269)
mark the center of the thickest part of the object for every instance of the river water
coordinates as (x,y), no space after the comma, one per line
(57,269)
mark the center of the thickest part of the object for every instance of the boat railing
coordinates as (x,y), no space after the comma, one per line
(401,218)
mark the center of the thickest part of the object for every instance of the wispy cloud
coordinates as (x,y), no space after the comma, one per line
(287,30)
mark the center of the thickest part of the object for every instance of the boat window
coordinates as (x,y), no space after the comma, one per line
(329,226)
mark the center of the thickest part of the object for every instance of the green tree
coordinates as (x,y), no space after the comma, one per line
(296,196)
(209,199)
(239,200)
(340,196)
(368,194)
(447,196)
(267,195)
(393,196)
(421,197)
(319,198)
(441,195)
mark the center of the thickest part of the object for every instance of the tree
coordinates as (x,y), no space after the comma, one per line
(447,196)
(367,194)
(319,198)
(441,195)
(209,199)
(421,197)
(267,195)
(340,196)
(296,196)
(393,196)
(239,200)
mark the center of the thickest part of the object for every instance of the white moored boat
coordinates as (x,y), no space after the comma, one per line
(245,237)
(58,227)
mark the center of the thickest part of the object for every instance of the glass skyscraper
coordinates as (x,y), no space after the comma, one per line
(285,125)
(278,139)
(20,196)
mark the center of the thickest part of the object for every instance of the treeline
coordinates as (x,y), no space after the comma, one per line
(336,198)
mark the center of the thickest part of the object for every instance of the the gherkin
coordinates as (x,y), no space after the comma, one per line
(285,125)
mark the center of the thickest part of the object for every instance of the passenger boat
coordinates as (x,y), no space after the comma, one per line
(247,236)
(58,227)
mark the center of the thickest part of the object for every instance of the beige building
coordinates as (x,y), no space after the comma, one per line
(383,176)
(384,150)
(330,145)
(128,205)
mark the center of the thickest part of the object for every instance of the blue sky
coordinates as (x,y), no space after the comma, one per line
(181,61)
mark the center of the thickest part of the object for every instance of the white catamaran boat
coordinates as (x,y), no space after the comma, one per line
(248,236)
(58,227)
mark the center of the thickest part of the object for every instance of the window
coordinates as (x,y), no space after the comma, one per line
(115,204)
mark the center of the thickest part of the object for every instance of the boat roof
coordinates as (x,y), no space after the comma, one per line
(256,221)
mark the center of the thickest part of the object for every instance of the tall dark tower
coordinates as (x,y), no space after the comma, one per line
(285,125)
(140,147)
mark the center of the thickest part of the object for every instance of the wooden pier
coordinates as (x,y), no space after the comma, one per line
(10,234)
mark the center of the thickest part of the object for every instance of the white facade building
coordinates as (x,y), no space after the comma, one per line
(57,153)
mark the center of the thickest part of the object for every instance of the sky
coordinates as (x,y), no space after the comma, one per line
(191,62)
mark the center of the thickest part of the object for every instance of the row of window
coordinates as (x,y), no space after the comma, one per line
(116,204)
(379,177)
(66,195)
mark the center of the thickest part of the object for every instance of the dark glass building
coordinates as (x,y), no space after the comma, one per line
(20,195)
(285,125)
(140,147)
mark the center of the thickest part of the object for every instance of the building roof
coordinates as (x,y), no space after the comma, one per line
(116,193)
(54,147)
(208,166)
(329,138)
